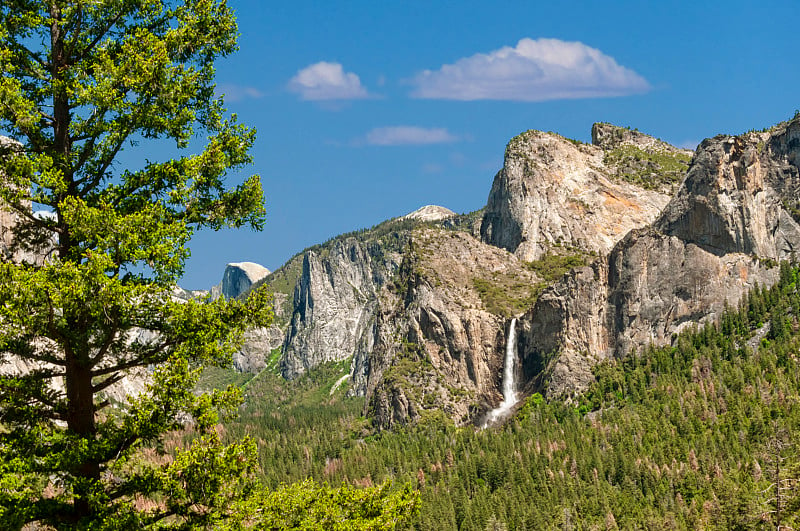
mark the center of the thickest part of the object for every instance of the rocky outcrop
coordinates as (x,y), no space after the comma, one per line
(733,218)
(440,329)
(334,303)
(740,195)
(609,137)
(257,348)
(658,284)
(555,192)
(238,278)
(564,334)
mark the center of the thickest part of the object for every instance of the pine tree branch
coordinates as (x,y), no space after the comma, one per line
(90,184)
(109,340)
(43,359)
(145,358)
(102,33)
(111,380)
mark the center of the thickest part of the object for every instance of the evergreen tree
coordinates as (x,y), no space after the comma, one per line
(83,81)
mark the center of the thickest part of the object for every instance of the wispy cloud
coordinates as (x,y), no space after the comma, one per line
(432,168)
(533,70)
(234,92)
(408,135)
(325,81)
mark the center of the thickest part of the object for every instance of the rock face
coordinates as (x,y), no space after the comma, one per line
(732,219)
(609,137)
(440,329)
(257,348)
(9,220)
(433,337)
(568,320)
(326,297)
(334,303)
(740,194)
(556,192)
(238,279)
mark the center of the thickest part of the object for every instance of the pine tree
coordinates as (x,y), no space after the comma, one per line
(82,82)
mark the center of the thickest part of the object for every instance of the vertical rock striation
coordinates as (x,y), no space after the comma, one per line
(334,304)
(336,289)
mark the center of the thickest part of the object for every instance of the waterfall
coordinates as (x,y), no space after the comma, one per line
(509,380)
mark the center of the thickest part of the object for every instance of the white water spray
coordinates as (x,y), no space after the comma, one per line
(509,380)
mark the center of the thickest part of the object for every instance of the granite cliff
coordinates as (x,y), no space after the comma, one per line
(556,204)
(733,218)
(555,192)
(238,278)
(326,297)
(334,303)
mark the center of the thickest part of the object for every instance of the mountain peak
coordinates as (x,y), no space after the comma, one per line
(430,213)
(238,278)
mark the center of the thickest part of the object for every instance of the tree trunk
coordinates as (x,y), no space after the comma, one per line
(81,422)
(78,377)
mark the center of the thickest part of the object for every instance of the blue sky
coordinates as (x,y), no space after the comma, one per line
(369,110)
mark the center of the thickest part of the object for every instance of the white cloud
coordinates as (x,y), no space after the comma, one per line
(407,135)
(239,92)
(534,70)
(327,81)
